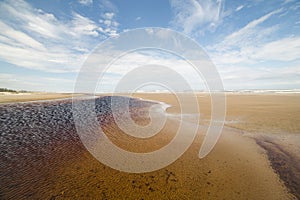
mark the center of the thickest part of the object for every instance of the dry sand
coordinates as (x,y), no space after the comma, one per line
(6,97)
(237,168)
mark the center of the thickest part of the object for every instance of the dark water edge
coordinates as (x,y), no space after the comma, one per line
(37,138)
(284,164)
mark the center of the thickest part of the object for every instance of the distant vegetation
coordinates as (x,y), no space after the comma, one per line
(10,90)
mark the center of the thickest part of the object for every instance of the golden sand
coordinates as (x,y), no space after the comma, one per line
(36,96)
(231,171)
(251,112)
(237,168)
(271,119)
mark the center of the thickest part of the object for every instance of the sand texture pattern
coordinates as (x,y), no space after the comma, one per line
(42,156)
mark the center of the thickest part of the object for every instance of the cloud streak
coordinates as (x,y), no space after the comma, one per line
(246,57)
(35,39)
(247,46)
(193,15)
(85,2)
(239,8)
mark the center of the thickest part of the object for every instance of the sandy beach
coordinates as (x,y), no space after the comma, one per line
(269,119)
(9,97)
(256,157)
(150,100)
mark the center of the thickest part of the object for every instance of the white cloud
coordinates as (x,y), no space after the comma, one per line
(125,64)
(248,33)
(245,77)
(282,50)
(138,18)
(107,5)
(83,26)
(17,37)
(109,15)
(195,14)
(239,8)
(23,15)
(288,1)
(35,39)
(86,2)
(244,58)
(35,83)
(285,49)
(244,45)
(110,25)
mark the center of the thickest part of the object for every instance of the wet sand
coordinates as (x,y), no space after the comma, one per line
(272,120)
(43,158)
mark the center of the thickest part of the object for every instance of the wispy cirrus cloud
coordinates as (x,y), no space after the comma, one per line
(246,57)
(247,46)
(82,26)
(86,2)
(248,34)
(196,15)
(35,39)
(239,8)
(9,35)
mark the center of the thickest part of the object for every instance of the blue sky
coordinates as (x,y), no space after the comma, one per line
(254,44)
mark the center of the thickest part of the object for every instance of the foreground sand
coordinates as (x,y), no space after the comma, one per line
(237,168)
(271,120)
